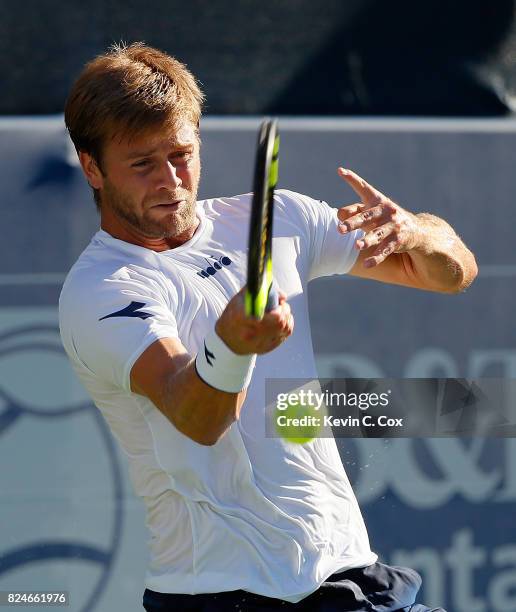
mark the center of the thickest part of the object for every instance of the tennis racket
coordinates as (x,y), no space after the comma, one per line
(260,295)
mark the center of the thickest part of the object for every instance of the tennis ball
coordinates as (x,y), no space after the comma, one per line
(298,423)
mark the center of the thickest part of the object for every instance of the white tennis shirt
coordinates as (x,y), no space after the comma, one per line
(250,512)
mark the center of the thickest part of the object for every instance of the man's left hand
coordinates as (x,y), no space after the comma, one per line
(387,226)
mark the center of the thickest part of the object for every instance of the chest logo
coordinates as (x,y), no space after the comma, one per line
(214,265)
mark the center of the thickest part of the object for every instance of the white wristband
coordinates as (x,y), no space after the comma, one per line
(219,367)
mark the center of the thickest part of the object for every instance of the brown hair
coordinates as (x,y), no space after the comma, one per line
(127,91)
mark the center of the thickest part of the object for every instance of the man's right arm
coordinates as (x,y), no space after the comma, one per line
(167,375)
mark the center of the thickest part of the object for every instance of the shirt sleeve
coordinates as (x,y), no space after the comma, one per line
(329,251)
(107,324)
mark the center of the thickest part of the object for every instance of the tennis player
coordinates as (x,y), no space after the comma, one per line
(152,319)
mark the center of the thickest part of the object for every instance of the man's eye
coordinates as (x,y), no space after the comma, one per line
(141,164)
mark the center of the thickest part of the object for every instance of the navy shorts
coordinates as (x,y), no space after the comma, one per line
(375,588)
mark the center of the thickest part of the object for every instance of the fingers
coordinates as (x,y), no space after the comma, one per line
(346,212)
(369,215)
(245,335)
(374,208)
(282,298)
(386,248)
(272,330)
(376,236)
(387,226)
(275,327)
(368,194)
(277,319)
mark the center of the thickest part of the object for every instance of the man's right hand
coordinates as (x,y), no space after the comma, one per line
(245,335)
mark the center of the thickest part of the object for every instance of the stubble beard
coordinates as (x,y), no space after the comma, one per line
(169,226)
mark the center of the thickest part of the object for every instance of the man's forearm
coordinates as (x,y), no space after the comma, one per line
(198,410)
(441,260)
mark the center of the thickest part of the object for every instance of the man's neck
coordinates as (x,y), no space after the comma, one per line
(127,233)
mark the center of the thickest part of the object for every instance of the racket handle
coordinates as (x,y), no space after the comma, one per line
(273,299)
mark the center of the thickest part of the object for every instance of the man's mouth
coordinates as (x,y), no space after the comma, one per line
(169,206)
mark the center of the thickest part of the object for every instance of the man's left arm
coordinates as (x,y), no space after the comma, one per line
(399,247)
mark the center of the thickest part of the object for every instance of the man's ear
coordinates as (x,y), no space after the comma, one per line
(91,170)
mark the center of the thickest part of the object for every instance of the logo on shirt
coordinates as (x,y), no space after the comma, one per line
(133,310)
(209,355)
(214,265)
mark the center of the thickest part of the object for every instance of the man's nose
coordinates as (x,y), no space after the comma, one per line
(168,177)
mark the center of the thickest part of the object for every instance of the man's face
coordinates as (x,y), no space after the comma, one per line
(149,184)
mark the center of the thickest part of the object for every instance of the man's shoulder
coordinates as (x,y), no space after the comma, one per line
(285,200)
(305,212)
(286,197)
(223,205)
(102,267)
(96,262)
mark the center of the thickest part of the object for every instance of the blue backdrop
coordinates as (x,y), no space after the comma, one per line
(68,519)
